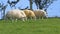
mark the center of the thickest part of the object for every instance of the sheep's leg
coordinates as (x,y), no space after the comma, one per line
(31,18)
(39,18)
(12,20)
(16,20)
(23,19)
(42,18)
(34,18)
(26,18)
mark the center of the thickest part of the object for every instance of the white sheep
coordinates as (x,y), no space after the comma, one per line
(16,14)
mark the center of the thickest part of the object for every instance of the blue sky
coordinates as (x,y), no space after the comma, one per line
(53,10)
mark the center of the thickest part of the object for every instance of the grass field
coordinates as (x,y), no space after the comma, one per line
(45,26)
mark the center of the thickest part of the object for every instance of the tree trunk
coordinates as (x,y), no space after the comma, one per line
(3,14)
(31,4)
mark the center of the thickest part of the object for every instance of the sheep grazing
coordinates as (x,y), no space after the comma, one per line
(40,14)
(16,14)
(30,14)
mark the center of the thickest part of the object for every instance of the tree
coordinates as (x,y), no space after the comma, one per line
(13,3)
(3,8)
(41,4)
(31,4)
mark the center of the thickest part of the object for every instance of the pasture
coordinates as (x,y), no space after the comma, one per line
(45,26)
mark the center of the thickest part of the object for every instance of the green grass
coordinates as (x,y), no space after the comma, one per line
(45,26)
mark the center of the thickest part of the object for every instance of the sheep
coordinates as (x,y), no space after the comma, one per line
(40,14)
(16,14)
(45,13)
(30,14)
